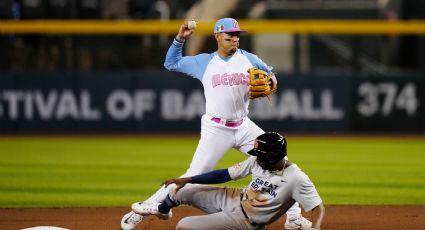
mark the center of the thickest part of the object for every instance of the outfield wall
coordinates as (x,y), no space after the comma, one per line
(161,101)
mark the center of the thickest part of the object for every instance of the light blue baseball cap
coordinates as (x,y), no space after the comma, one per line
(227,25)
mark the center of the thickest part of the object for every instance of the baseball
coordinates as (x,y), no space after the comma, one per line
(191,24)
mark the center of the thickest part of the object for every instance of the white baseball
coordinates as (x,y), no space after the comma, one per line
(191,24)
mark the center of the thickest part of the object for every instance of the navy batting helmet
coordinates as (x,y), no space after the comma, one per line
(270,147)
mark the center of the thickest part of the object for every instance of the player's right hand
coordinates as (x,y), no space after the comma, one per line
(184,31)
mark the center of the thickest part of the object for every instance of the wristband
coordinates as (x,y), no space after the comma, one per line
(177,38)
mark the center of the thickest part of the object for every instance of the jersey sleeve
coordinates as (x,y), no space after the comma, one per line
(242,169)
(193,66)
(214,177)
(257,62)
(306,194)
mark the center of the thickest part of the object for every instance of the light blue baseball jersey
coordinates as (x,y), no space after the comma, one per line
(270,194)
(225,80)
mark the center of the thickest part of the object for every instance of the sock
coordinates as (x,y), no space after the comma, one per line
(165,206)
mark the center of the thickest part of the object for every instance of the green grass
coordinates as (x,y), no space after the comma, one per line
(73,172)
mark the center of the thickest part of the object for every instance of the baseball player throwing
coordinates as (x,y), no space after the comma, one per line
(229,82)
(276,184)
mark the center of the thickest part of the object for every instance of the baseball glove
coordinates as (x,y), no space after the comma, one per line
(260,84)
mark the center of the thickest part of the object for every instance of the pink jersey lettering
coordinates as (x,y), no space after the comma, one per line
(216,80)
(245,79)
(224,79)
(234,79)
(230,79)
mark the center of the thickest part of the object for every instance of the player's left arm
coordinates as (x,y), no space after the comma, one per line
(214,177)
(306,194)
(218,176)
(317,215)
(258,63)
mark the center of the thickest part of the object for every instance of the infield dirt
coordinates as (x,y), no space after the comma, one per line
(338,217)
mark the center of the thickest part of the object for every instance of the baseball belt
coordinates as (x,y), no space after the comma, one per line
(227,123)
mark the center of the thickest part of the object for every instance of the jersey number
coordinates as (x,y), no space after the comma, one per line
(383,98)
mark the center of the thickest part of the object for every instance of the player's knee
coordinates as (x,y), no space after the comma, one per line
(184,195)
(184,224)
(178,197)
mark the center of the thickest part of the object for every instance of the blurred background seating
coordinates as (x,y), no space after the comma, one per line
(299,54)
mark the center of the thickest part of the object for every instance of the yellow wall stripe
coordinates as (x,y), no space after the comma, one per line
(124,27)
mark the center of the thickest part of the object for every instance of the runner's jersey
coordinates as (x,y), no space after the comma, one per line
(270,194)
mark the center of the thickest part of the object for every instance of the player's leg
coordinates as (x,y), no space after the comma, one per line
(246,135)
(214,143)
(222,205)
(219,220)
(186,195)
(210,199)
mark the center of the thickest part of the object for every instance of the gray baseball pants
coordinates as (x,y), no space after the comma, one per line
(221,203)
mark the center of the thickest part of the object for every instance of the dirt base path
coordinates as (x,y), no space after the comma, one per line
(337,218)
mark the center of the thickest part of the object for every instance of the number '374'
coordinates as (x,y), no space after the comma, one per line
(383,98)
